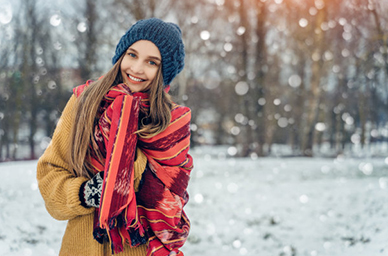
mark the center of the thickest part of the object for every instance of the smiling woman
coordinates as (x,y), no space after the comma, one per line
(140,65)
(118,165)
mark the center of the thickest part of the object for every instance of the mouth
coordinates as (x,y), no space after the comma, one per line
(135,79)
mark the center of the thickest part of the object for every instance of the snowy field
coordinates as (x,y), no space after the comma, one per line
(260,207)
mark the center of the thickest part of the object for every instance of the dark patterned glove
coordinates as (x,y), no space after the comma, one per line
(90,191)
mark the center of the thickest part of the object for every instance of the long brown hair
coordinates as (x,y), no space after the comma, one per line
(82,133)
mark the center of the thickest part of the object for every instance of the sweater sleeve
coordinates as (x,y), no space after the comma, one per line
(58,186)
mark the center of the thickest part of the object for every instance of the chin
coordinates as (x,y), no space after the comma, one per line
(136,88)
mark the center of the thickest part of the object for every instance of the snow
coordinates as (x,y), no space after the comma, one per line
(238,206)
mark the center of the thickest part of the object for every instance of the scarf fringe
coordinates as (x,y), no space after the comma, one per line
(100,235)
(122,232)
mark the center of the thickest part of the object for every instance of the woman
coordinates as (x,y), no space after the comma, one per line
(118,165)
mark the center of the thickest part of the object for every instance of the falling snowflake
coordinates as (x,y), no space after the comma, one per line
(205,35)
(55,20)
(242,88)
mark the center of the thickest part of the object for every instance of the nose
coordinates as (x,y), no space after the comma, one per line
(137,67)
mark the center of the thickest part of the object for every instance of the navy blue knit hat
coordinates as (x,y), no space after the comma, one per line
(166,36)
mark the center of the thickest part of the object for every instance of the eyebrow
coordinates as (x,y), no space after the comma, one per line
(149,57)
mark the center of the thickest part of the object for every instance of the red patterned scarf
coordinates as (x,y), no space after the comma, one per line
(154,215)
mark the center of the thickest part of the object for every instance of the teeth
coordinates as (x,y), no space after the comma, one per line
(135,79)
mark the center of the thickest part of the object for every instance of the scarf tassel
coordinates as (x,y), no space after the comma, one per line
(100,235)
(122,231)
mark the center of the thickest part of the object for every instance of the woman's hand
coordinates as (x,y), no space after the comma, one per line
(90,191)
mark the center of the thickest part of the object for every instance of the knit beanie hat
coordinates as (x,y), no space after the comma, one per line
(166,36)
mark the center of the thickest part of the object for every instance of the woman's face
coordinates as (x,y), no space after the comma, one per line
(140,65)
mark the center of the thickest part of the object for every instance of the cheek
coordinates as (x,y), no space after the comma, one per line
(125,63)
(152,73)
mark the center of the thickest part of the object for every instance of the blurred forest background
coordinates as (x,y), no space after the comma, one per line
(309,75)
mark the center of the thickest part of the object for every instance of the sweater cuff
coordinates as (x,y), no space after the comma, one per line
(74,201)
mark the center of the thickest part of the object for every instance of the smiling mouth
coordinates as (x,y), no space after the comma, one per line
(135,79)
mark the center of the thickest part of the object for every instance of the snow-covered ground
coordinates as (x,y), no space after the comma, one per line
(255,207)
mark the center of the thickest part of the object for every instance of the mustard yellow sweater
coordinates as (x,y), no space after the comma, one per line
(60,191)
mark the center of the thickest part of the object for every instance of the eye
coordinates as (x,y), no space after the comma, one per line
(153,63)
(132,55)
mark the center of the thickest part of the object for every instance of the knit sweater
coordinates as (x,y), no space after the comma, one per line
(60,191)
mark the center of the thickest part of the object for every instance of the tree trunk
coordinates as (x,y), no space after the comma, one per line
(88,51)
(260,87)
(362,115)
(315,90)
(29,72)
(245,136)
(382,36)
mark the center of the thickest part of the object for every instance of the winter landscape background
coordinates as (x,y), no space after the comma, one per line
(289,103)
(310,75)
